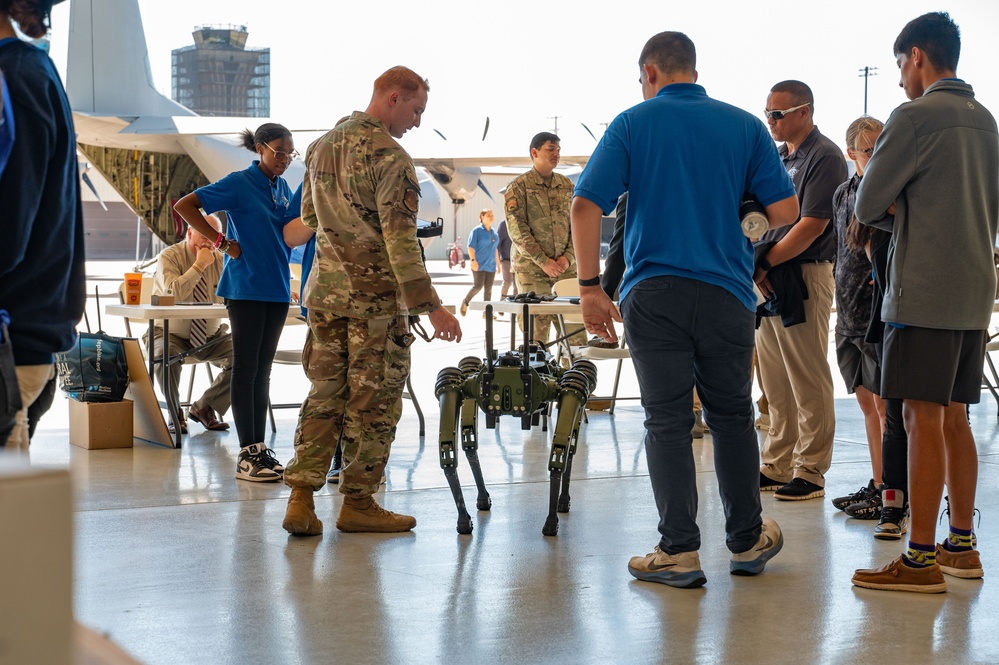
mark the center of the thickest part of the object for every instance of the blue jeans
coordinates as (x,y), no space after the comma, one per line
(683,332)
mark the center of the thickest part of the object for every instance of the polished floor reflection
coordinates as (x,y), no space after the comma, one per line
(180,563)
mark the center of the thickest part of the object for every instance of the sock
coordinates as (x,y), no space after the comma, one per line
(920,556)
(959,540)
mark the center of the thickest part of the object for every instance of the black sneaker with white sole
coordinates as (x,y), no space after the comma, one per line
(799,489)
(864,493)
(256,464)
(768,484)
(866,509)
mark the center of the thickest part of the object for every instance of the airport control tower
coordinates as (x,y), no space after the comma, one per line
(219,76)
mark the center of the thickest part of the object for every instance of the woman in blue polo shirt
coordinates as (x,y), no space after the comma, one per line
(483,243)
(255,281)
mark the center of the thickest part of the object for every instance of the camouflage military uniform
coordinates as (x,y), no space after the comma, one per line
(537,217)
(361,195)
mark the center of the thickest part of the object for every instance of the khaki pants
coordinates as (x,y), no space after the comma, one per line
(31,380)
(542,285)
(797,380)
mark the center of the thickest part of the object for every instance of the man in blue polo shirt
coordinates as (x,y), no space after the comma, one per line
(687,294)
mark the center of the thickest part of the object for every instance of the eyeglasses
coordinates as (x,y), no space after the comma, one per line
(866,151)
(779,115)
(281,154)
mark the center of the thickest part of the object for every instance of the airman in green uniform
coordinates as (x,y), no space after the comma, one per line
(537,217)
(361,195)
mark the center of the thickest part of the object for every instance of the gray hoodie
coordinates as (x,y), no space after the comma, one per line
(938,160)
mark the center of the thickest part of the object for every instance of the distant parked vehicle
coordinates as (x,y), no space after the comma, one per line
(455,254)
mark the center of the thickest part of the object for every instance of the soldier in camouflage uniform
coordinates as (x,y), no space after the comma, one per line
(361,195)
(537,217)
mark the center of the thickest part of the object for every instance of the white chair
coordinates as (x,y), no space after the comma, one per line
(990,378)
(294,357)
(286,357)
(568,322)
(570,287)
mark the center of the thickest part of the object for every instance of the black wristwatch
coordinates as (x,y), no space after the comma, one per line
(593,281)
(763,263)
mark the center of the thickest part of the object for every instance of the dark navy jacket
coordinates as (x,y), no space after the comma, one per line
(42,271)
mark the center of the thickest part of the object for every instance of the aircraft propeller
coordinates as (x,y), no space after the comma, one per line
(84,167)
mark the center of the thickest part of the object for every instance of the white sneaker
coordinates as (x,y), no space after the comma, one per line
(256,464)
(681,570)
(893,524)
(754,560)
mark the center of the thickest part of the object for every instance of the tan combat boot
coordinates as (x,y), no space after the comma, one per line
(300,518)
(366,516)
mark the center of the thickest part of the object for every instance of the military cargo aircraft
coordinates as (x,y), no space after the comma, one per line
(153,150)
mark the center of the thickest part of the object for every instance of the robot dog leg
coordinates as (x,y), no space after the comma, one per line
(574,387)
(470,367)
(449,392)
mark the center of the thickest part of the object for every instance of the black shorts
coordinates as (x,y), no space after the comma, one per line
(858,363)
(932,365)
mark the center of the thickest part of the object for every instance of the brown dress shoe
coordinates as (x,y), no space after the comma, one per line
(206,416)
(300,517)
(366,516)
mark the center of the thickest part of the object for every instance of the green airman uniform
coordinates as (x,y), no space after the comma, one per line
(537,218)
(361,195)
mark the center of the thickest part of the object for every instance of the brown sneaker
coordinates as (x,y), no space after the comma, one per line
(897,576)
(300,517)
(597,404)
(366,516)
(966,564)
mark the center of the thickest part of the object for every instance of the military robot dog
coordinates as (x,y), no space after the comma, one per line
(523,383)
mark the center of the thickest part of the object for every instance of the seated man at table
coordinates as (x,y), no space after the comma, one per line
(190,271)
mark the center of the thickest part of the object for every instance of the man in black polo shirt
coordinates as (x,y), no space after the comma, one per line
(793,364)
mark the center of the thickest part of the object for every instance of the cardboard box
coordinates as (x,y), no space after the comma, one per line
(98,425)
(36,563)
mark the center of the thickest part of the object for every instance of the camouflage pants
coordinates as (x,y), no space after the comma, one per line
(358,369)
(542,284)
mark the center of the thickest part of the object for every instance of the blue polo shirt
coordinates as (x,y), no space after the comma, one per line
(484,241)
(257,209)
(686,160)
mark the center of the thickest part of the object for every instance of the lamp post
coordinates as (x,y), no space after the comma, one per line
(867,72)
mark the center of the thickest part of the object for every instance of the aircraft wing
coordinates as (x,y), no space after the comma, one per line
(153,150)
(482,161)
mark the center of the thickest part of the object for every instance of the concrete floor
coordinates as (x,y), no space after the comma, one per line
(180,563)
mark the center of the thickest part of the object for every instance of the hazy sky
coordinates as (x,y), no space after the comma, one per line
(522,62)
